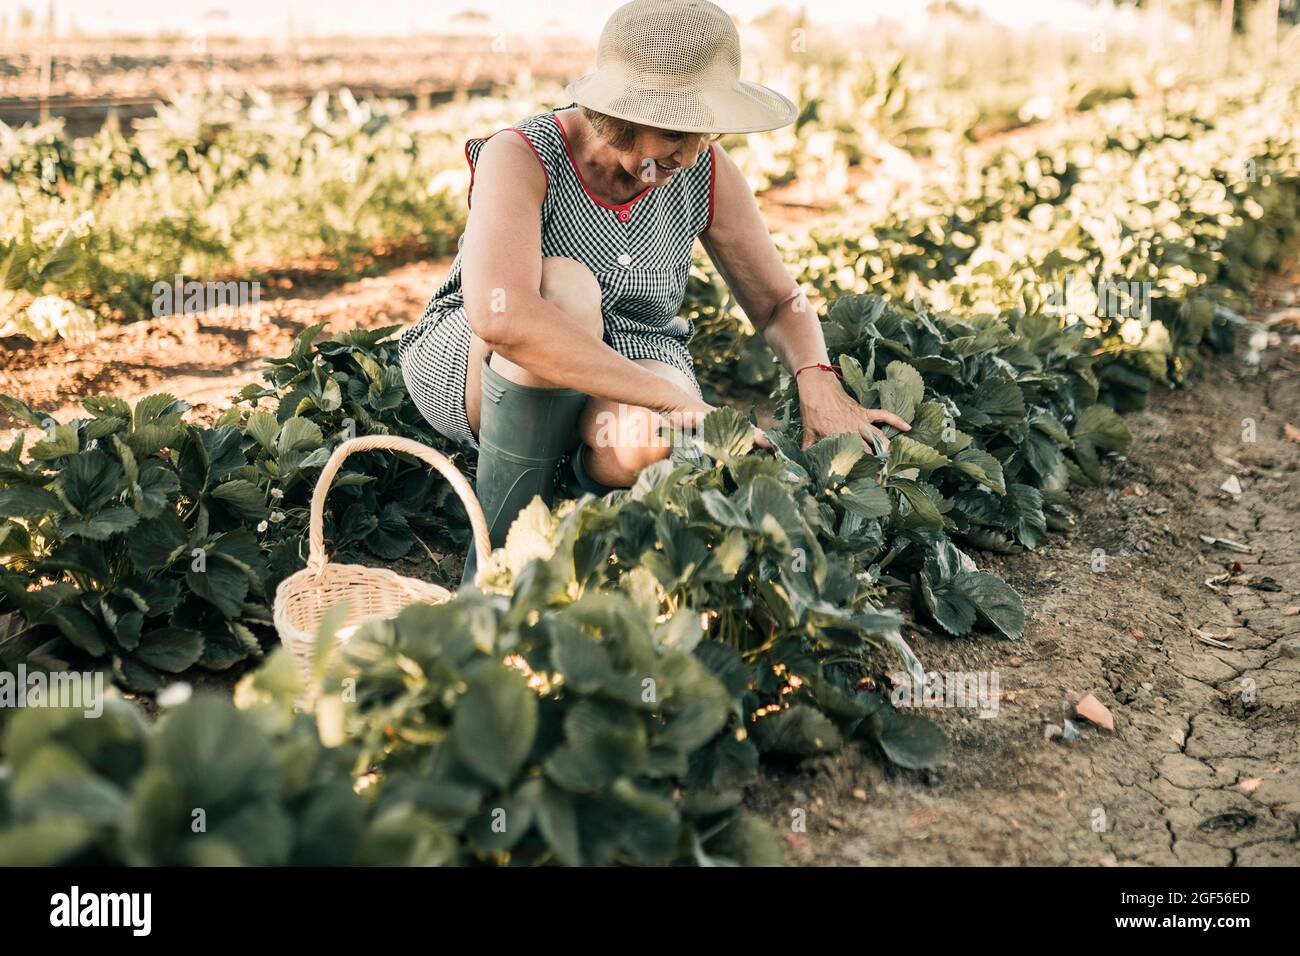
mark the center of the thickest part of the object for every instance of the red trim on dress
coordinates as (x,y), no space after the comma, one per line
(620,207)
(713,178)
(469,195)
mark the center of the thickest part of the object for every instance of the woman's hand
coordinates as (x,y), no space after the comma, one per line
(829,410)
(688,414)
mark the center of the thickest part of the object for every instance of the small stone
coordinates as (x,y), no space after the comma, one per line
(859,793)
(1051,731)
(1232,486)
(1069,732)
(1094,711)
(1291,649)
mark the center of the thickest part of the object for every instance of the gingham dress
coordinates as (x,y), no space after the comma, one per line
(639,251)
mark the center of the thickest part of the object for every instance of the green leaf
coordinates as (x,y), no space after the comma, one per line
(579,657)
(170,649)
(981,466)
(995,398)
(297,434)
(597,750)
(244,498)
(910,740)
(557,819)
(392,537)
(153,491)
(1023,506)
(28,501)
(994,599)
(902,390)
(863,390)
(219,583)
(222,449)
(106,406)
(866,499)
(494,724)
(61,441)
(102,526)
(216,753)
(240,548)
(834,457)
(89,480)
(154,408)
(79,628)
(20,409)
(54,782)
(798,731)
(157,542)
(44,842)
(725,434)
(263,428)
(905,453)
(1098,428)
(148,439)
(951,610)
(924,508)
(723,510)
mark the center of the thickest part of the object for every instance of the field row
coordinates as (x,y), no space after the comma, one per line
(607,696)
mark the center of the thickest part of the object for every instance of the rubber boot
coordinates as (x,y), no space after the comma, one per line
(523,432)
(582,480)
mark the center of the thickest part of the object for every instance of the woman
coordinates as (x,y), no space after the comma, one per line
(558,323)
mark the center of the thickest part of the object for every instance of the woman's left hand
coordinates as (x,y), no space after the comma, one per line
(829,410)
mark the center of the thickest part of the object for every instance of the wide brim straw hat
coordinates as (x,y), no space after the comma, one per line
(675,65)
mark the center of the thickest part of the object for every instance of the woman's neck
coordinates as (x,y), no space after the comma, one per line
(598,161)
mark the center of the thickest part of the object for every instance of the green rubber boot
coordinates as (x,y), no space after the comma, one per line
(523,431)
(582,480)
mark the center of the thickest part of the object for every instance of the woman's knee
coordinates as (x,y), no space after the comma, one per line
(569,285)
(624,440)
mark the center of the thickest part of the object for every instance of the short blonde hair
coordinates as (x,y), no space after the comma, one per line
(619,133)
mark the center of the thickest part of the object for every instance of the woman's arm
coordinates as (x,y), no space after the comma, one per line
(501,276)
(742,250)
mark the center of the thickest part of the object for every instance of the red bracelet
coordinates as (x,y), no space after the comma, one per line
(824,367)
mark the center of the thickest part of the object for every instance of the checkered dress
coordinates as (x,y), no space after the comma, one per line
(639,251)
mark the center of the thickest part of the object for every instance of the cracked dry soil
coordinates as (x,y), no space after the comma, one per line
(1203,767)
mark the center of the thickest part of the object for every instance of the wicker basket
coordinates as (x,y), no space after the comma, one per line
(302,599)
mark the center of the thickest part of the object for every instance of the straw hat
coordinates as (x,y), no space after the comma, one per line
(675,64)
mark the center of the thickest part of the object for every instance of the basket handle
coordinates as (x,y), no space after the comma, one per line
(440,463)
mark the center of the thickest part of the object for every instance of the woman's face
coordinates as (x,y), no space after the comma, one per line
(657,155)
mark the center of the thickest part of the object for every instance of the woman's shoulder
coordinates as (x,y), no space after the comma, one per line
(536,134)
(538,131)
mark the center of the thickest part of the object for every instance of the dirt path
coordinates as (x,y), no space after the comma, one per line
(202,358)
(1203,767)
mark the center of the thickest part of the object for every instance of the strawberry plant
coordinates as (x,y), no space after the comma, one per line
(126,543)
(321,393)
